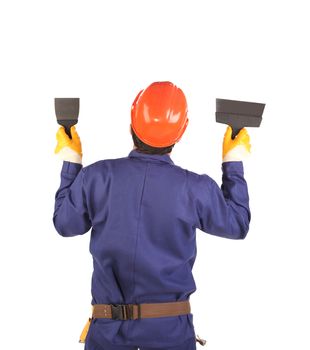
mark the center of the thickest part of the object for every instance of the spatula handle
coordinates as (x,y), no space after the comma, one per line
(235,132)
(67,125)
(67,130)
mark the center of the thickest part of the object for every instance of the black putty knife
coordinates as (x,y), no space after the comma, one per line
(67,112)
(238,114)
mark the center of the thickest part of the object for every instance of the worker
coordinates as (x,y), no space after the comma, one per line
(143,211)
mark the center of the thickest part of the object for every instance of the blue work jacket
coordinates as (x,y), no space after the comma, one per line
(143,211)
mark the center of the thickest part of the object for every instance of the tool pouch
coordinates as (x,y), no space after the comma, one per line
(85,331)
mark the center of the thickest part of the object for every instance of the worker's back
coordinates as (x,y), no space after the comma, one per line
(142,241)
(143,235)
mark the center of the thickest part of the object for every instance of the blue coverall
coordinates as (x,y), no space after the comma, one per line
(144,210)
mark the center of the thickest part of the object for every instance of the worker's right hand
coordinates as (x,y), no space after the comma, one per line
(67,149)
(236,149)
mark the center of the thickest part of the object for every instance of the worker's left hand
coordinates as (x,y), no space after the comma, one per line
(68,149)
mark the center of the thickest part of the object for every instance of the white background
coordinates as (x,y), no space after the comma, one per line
(251,294)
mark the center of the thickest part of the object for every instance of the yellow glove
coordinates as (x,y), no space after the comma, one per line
(68,149)
(237,149)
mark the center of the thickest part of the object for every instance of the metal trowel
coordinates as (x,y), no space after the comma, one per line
(238,114)
(67,112)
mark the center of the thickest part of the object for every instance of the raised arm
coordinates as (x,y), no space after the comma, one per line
(225,211)
(71,214)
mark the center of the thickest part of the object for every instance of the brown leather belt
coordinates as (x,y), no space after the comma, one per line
(136,311)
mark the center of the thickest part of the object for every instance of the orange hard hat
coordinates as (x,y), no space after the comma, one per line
(159,114)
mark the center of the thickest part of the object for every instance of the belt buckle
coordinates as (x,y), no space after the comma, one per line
(122,311)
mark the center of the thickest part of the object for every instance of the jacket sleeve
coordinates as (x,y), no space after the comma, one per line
(71,215)
(223,211)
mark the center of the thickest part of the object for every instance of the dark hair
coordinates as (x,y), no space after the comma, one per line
(144,148)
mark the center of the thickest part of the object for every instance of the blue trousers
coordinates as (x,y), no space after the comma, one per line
(190,344)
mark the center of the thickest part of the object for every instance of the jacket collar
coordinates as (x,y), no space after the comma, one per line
(153,157)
